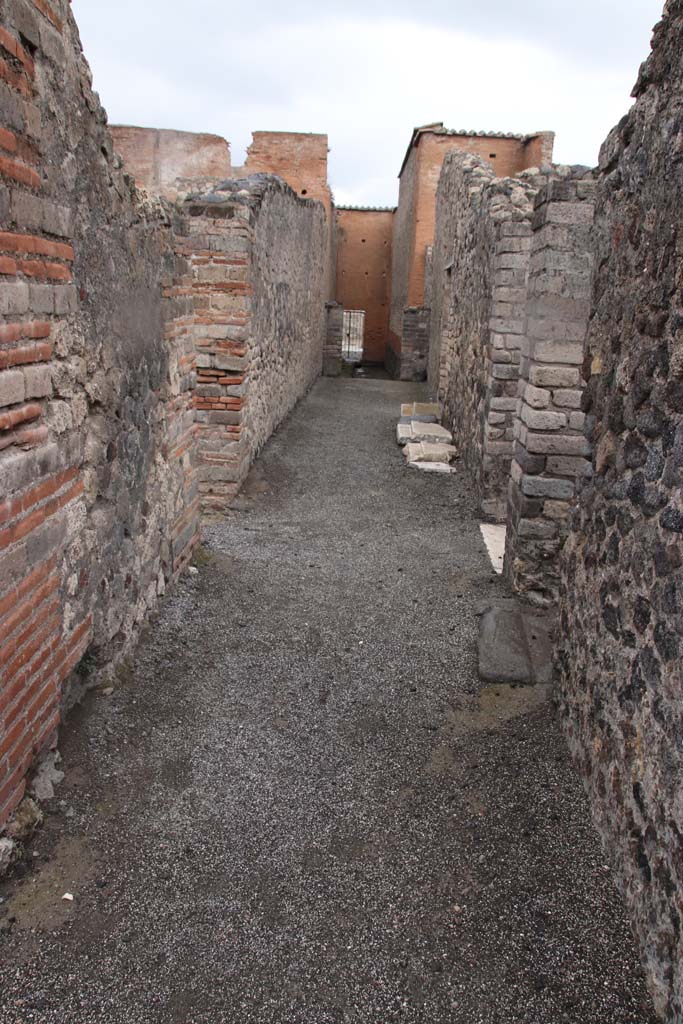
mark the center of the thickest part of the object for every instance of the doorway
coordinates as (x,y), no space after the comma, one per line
(353,335)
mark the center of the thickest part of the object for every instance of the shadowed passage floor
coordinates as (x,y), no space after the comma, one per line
(299,805)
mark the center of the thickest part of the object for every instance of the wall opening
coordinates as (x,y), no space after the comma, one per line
(353,336)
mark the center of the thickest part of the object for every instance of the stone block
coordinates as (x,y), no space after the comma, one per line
(503,403)
(38,380)
(557,444)
(27,209)
(536,529)
(555,351)
(505,371)
(506,325)
(12,387)
(547,487)
(570,213)
(543,420)
(567,398)
(553,376)
(425,452)
(42,298)
(567,465)
(14,298)
(537,398)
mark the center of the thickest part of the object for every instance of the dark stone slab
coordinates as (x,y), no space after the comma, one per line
(515,644)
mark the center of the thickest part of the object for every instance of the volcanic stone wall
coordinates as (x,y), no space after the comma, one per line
(620,664)
(550,446)
(97,478)
(480,264)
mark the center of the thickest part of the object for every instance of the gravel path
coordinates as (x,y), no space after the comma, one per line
(299,806)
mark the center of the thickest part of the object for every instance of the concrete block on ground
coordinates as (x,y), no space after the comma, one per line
(515,644)
(423,451)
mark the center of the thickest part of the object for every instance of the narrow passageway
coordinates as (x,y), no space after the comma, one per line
(299,806)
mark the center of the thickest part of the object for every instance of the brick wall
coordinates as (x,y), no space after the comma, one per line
(96,467)
(364,272)
(415,219)
(158,157)
(256,282)
(619,658)
(550,447)
(480,264)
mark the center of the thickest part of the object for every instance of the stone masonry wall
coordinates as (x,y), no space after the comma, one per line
(288,323)
(619,658)
(98,491)
(334,336)
(480,265)
(257,283)
(550,446)
(416,217)
(415,348)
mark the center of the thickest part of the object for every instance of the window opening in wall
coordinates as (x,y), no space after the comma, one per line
(492,156)
(354,333)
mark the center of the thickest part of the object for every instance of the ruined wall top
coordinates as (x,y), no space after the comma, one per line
(158,157)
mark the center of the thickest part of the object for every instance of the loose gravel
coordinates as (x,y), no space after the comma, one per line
(299,805)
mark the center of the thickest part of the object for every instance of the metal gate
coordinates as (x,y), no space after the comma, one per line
(352,339)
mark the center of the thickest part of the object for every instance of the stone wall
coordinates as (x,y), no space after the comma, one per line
(147,350)
(256,280)
(288,322)
(334,336)
(97,476)
(415,348)
(480,265)
(550,446)
(158,157)
(300,159)
(619,659)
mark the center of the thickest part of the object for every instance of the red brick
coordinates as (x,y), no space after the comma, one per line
(40,616)
(15,79)
(18,172)
(8,140)
(11,795)
(8,265)
(40,353)
(25,656)
(45,9)
(23,414)
(13,242)
(34,579)
(24,612)
(15,49)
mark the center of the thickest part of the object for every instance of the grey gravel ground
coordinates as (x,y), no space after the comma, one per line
(299,806)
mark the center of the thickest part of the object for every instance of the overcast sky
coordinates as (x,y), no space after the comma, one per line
(367,71)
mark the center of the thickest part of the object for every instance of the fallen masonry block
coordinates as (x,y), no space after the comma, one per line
(425,412)
(423,451)
(404,433)
(417,431)
(432,467)
(515,644)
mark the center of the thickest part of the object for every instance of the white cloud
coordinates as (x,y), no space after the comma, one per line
(365,80)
